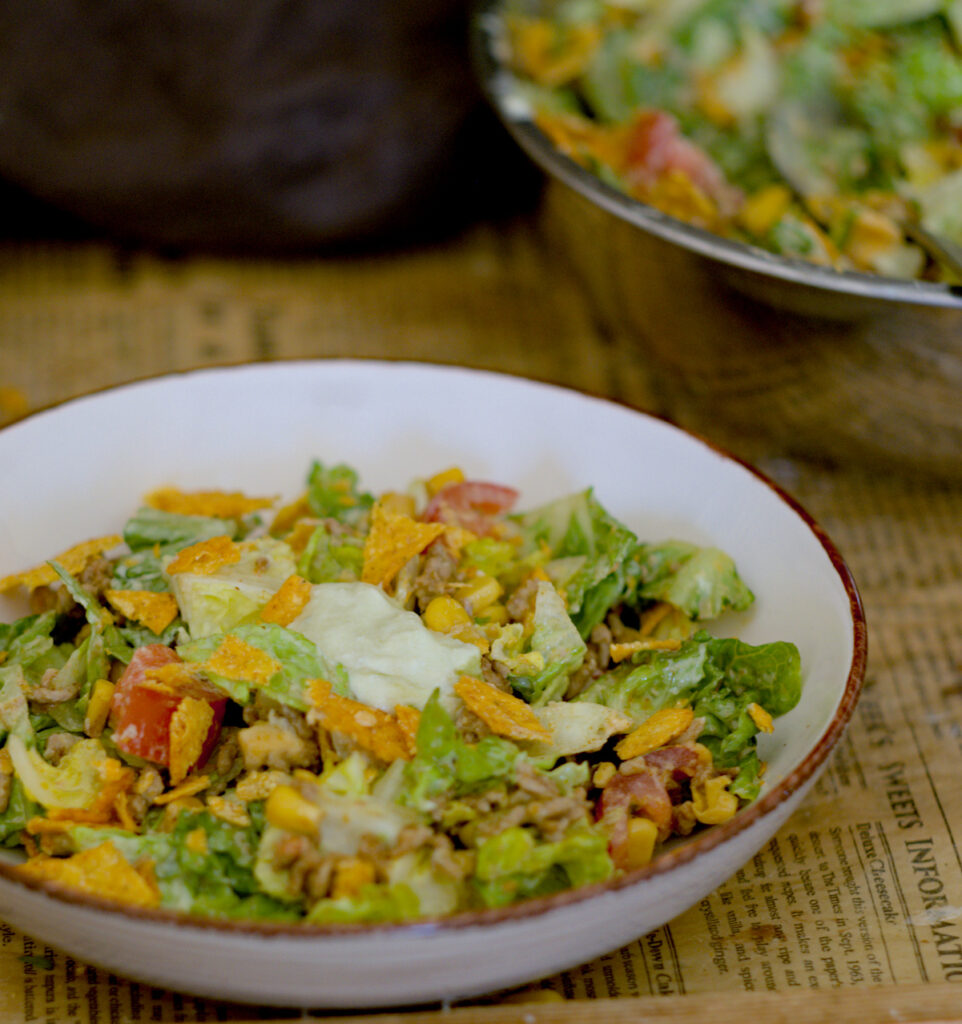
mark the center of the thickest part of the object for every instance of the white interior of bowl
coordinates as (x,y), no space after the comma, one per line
(77,471)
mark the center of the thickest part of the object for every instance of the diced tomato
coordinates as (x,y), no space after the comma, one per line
(656,146)
(622,798)
(142,712)
(470,504)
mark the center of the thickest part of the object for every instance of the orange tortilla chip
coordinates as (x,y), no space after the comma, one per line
(299,537)
(235,659)
(100,871)
(371,729)
(207,556)
(503,713)
(289,601)
(219,504)
(150,609)
(393,540)
(174,677)
(288,515)
(189,725)
(185,789)
(408,719)
(73,560)
(115,779)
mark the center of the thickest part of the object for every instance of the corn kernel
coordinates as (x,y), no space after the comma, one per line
(761,718)
(444,614)
(642,836)
(350,875)
(98,707)
(454,475)
(764,208)
(494,615)
(287,809)
(196,841)
(662,727)
(711,801)
(481,593)
(604,773)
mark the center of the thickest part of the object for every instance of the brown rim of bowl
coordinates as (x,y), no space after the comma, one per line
(499,86)
(682,854)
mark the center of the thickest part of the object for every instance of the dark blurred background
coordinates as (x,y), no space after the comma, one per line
(263,126)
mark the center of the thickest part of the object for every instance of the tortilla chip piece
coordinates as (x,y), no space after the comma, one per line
(101,871)
(236,659)
(189,726)
(219,504)
(185,789)
(150,609)
(288,515)
(297,540)
(503,713)
(289,601)
(371,729)
(73,560)
(175,677)
(621,651)
(394,539)
(408,719)
(206,556)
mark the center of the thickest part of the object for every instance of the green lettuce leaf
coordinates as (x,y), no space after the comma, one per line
(328,558)
(216,602)
(154,537)
(373,904)
(333,492)
(588,546)
(700,581)
(445,764)
(298,656)
(719,679)
(559,643)
(513,865)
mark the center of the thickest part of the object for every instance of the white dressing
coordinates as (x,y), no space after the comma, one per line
(389,655)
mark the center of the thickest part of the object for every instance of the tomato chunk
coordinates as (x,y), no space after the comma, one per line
(141,711)
(470,504)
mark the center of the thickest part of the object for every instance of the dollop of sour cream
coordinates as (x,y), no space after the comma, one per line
(389,655)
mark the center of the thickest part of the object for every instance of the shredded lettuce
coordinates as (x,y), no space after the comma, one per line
(513,865)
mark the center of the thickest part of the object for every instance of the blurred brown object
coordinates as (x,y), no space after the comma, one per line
(266,125)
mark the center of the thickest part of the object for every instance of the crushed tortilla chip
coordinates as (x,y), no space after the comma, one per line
(408,719)
(289,601)
(150,609)
(73,560)
(394,539)
(288,515)
(173,678)
(100,871)
(189,725)
(185,789)
(115,779)
(371,728)
(619,652)
(236,659)
(503,713)
(219,504)
(206,556)
(297,540)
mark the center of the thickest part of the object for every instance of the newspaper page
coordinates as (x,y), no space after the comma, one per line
(863,884)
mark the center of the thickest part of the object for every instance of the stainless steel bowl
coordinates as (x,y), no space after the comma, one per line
(744,345)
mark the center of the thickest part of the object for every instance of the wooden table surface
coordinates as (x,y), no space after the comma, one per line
(78,316)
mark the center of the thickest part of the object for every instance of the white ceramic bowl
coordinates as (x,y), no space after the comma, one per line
(76,471)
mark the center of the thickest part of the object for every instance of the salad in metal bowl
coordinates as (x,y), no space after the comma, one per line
(825,130)
(362,709)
